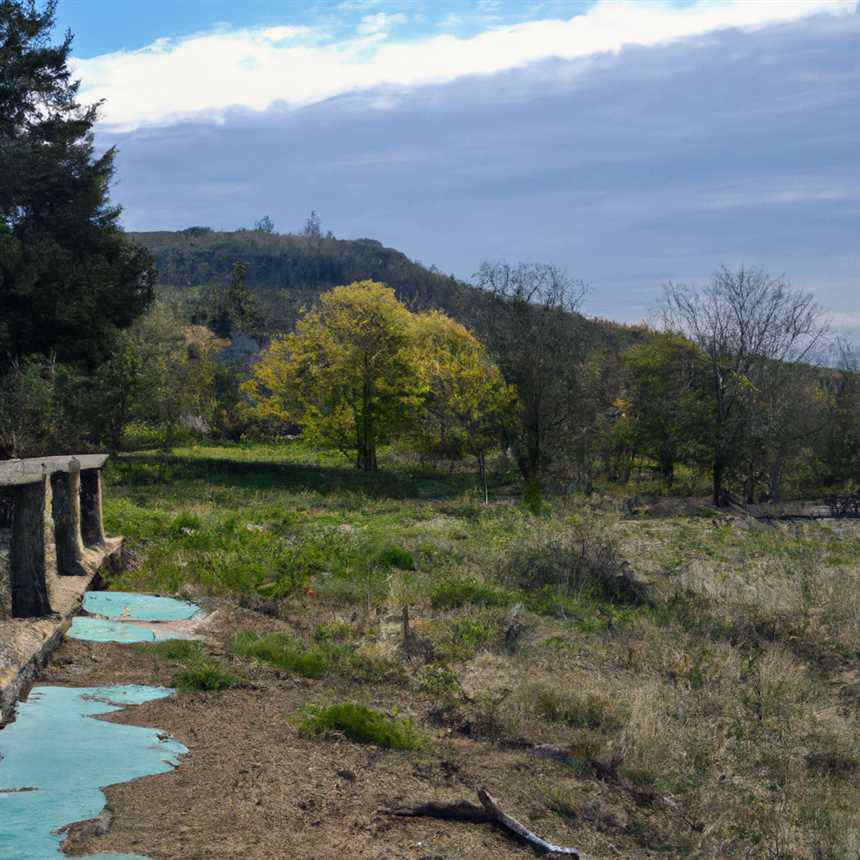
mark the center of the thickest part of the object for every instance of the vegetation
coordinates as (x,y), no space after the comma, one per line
(69,278)
(663,654)
(362,724)
(205,675)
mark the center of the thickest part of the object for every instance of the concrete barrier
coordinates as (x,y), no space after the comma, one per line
(52,545)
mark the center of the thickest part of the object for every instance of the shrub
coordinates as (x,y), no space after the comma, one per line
(361,724)
(205,675)
(391,555)
(583,558)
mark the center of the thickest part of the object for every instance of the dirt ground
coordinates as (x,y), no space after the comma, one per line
(252,787)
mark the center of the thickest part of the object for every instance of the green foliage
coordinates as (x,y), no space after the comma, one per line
(281,651)
(461,638)
(349,375)
(666,411)
(532,498)
(205,675)
(452,593)
(70,278)
(177,650)
(393,556)
(361,724)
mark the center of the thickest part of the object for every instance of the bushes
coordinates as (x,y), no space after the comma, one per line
(584,557)
(361,724)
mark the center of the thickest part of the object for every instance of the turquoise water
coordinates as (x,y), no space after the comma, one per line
(100,630)
(138,607)
(58,750)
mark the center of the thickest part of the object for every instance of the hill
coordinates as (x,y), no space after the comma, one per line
(288,271)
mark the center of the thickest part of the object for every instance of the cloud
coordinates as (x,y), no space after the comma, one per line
(212,72)
(629,169)
(380,22)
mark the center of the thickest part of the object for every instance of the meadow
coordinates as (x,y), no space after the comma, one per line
(652,679)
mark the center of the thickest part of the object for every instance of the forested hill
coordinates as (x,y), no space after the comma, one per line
(288,271)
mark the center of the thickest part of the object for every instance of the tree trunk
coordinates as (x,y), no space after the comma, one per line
(482,466)
(718,482)
(776,478)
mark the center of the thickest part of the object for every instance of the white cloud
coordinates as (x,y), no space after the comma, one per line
(211,72)
(380,22)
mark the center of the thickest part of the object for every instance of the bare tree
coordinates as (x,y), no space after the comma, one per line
(750,327)
(536,340)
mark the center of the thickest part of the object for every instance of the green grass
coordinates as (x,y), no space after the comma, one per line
(282,651)
(360,724)
(205,675)
(731,691)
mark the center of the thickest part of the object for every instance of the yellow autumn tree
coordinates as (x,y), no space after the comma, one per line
(350,374)
(468,405)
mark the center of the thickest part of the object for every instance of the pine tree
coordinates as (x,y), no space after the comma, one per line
(69,279)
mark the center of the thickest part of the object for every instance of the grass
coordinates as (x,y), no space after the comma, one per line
(176,650)
(729,688)
(205,675)
(361,724)
(282,651)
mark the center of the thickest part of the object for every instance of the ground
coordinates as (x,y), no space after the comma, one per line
(632,679)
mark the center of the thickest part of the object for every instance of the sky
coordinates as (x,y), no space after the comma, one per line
(632,142)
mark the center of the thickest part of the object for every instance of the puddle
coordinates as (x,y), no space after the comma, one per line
(54,759)
(101,630)
(138,607)
(118,616)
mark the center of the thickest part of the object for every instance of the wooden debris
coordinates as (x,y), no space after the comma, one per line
(492,807)
(488,812)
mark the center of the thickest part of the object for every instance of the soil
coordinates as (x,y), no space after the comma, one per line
(252,787)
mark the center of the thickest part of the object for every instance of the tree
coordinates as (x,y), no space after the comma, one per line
(265,225)
(666,400)
(69,280)
(238,307)
(534,337)
(842,439)
(349,375)
(745,322)
(468,405)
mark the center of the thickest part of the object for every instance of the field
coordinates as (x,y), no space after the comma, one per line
(633,680)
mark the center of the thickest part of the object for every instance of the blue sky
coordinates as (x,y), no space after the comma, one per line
(631,141)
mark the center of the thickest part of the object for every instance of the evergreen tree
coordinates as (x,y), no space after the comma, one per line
(69,279)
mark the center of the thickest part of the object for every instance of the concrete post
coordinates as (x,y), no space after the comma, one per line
(66,509)
(92,524)
(27,552)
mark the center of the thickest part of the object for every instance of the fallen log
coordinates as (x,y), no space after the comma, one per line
(488,812)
